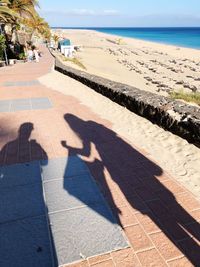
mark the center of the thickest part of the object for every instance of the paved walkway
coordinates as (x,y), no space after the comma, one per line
(71,189)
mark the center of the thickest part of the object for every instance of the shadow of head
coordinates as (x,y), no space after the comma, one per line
(25,130)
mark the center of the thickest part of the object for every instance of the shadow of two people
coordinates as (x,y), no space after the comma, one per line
(138,179)
(136,176)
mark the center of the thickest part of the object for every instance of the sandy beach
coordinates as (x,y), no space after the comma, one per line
(153,67)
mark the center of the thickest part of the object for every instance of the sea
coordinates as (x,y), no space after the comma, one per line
(184,36)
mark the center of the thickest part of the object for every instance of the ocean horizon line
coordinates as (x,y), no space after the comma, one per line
(124,27)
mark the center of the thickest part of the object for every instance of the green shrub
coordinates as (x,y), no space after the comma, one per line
(188,97)
(2,45)
(22,56)
(75,61)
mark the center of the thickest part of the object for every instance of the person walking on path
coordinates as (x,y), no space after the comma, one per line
(29,54)
(35,54)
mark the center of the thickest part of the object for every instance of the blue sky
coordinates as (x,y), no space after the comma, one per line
(122,13)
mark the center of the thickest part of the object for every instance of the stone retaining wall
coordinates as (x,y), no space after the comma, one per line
(175,116)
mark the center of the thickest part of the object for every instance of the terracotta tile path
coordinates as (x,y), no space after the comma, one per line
(158,215)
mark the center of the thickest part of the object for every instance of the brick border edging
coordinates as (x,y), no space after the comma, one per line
(172,115)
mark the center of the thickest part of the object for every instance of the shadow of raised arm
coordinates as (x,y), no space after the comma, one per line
(84,151)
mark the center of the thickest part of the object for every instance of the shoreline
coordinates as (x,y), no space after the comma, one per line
(172,46)
(134,38)
(148,42)
(150,66)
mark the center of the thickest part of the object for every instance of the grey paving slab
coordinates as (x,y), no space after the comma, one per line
(53,169)
(43,100)
(21,83)
(87,231)
(81,222)
(20,104)
(75,166)
(24,104)
(40,103)
(5,106)
(20,202)
(25,243)
(7,84)
(20,174)
(63,167)
(71,193)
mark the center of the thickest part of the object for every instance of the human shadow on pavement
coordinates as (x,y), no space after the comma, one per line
(142,182)
(25,236)
(22,149)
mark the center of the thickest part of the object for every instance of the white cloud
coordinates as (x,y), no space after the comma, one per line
(111,12)
(81,12)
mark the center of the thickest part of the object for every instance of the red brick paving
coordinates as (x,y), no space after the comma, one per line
(183,262)
(159,216)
